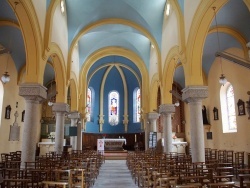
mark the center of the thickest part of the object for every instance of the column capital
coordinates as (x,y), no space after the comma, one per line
(33,92)
(167,109)
(194,93)
(60,107)
(153,115)
(74,115)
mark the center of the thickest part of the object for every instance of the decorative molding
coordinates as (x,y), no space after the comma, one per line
(153,115)
(60,107)
(101,121)
(194,93)
(74,115)
(35,92)
(167,109)
(125,122)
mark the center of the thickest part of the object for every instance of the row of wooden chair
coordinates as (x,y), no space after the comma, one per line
(152,169)
(76,169)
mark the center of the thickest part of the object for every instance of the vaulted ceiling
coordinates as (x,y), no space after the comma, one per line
(129,24)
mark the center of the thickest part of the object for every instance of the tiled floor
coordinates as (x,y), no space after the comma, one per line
(114,174)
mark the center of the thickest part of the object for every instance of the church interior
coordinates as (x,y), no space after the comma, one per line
(165,78)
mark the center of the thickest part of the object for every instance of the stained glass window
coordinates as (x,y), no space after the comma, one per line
(231,108)
(113,108)
(137,105)
(89,104)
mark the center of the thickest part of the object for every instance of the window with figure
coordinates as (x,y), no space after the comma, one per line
(137,105)
(89,105)
(228,111)
(113,108)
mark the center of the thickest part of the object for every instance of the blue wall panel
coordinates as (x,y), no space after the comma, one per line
(113,82)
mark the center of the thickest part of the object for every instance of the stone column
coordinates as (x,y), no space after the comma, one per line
(79,135)
(194,96)
(60,109)
(152,117)
(33,94)
(146,129)
(74,117)
(166,110)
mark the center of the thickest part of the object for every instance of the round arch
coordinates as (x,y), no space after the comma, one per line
(108,51)
(168,74)
(60,73)
(230,31)
(115,21)
(26,16)
(197,35)
(155,83)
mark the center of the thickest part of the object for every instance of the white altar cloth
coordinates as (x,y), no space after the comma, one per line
(115,140)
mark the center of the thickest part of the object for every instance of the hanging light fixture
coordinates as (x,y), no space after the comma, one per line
(6,77)
(222,79)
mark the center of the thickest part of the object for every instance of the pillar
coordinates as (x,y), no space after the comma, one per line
(33,94)
(166,111)
(194,95)
(146,129)
(152,117)
(60,109)
(79,134)
(74,118)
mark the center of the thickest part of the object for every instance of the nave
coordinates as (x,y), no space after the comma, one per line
(113,174)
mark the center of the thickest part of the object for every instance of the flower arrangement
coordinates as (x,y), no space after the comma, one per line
(52,135)
(174,137)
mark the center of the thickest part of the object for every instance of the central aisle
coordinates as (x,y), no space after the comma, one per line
(114,174)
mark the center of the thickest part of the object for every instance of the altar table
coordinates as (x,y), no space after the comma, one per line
(112,144)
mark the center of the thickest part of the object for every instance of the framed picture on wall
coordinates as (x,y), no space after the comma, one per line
(241,107)
(7,112)
(216,115)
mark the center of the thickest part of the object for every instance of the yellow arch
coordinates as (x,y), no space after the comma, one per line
(242,40)
(29,25)
(168,74)
(197,35)
(73,93)
(9,23)
(115,21)
(60,72)
(247,2)
(108,51)
(155,83)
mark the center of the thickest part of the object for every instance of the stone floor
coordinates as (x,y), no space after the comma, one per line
(114,174)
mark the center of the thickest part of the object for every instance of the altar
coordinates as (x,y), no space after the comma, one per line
(114,144)
(47,146)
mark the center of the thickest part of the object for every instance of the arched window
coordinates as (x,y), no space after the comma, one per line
(228,108)
(89,104)
(113,98)
(137,105)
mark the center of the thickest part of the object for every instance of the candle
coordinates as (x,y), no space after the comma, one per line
(47,129)
(135,137)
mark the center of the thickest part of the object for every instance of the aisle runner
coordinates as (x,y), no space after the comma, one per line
(114,174)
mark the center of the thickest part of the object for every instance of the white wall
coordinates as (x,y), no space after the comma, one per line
(40,8)
(190,8)
(169,36)
(60,32)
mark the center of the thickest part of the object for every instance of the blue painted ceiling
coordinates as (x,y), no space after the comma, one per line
(147,14)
